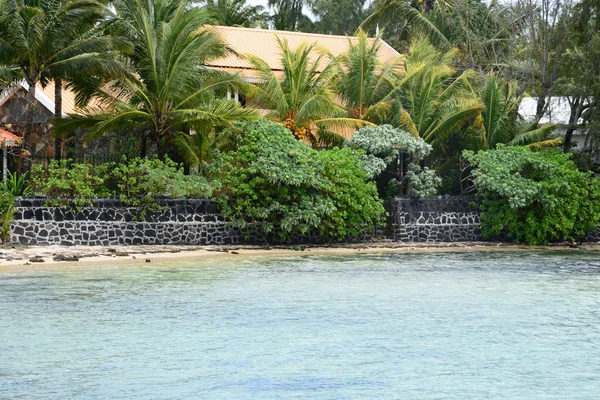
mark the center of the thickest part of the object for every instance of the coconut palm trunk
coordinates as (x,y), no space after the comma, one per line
(57,115)
(29,124)
(152,148)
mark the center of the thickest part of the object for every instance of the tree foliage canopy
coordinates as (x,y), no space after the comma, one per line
(275,183)
(534,196)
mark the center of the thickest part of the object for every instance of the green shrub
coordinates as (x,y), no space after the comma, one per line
(423,181)
(274,182)
(7,211)
(16,184)
(534,196)
(66,182)
(139,181)
(354,198)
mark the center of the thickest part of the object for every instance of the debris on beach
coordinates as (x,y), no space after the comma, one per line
(62,257)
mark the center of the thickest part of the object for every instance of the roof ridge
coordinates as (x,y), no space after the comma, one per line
(241,28)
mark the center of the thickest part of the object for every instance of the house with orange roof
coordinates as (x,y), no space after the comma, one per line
(242,41)
(263,44)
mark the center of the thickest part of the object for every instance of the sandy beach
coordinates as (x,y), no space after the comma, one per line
(17,258)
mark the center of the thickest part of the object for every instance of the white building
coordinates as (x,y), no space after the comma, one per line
(558,112)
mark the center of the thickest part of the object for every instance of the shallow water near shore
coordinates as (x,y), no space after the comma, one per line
(518,325)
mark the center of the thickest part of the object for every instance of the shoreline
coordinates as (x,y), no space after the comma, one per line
(19,258)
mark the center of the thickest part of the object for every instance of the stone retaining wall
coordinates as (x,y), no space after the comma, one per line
(197,222)
(435,219)
(109,222)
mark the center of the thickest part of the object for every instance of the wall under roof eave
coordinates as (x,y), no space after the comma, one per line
(39,96)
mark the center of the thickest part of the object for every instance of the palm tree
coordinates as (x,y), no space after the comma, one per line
(484,32)
(435,103)
(235,13)
(410,19)
(303,98)
(502,122)
(39,41)
(103,52)
(367,87)
(174,92)
(287,14)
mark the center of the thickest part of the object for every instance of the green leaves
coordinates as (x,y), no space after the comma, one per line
(66,182)
(434,103)
(170,91)
(273,182)
(423,181)
(367,86)
(304,97)
(136,181)
(383,144)
(536,197)
(236,13)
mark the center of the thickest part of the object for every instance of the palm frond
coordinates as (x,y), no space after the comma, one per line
(531,133)
(544,144)
(414,18)
(194,149)
(452,114)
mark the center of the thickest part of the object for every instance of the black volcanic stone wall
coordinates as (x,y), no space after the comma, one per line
(435,219)
(197,222)
(109,222)
(442,219)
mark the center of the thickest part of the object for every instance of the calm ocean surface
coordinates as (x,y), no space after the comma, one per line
(406,326)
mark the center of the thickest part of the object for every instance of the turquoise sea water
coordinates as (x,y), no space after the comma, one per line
(406,326)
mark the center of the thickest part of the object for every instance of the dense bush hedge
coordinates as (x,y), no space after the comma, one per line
(534,196)
(274,182)
(136,181)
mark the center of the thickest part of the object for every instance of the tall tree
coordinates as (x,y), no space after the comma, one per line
(236,13)
(173,94)
(337,17)
(34,50)
(543,41)
(579,80)
(404,21)
(502,122)
(106,62)
(483,32)
(438,102)
(287,14)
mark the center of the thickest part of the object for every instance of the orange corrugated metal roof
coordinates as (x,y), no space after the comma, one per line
(262,43)
(6,136)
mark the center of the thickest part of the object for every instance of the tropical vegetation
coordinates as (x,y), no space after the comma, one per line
(276,184)
(534,196)
(303,99)
(170,92)
(340,133)
(54,39)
